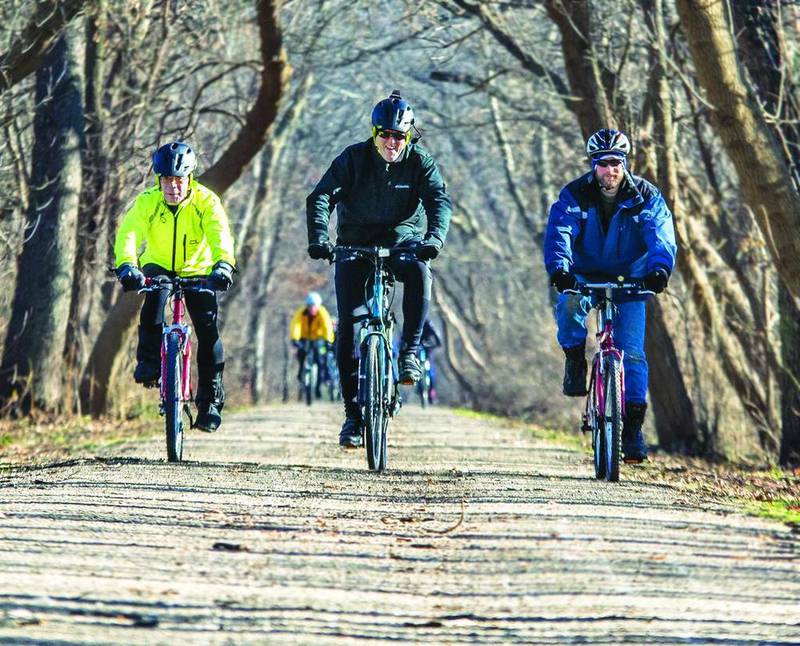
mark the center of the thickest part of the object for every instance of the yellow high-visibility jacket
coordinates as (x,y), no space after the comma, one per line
(189,243)
(304,326)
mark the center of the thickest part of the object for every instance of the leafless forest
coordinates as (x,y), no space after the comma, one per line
(505,93)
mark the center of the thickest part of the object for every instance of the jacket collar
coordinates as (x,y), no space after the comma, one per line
(627,197)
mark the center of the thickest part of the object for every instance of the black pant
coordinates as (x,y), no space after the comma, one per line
(202,308)
(351,288)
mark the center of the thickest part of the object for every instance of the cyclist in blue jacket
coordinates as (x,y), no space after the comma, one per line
(609,223)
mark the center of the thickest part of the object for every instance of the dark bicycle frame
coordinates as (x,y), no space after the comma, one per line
(378,323)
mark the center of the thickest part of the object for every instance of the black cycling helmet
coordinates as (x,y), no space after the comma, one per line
(608,142)
(393,113)
(174,160)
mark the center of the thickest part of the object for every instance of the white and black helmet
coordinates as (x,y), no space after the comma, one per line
(608,142)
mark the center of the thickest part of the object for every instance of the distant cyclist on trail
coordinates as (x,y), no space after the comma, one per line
(185,232)
(388,192)
(605,224)
(431,340)
(312,322)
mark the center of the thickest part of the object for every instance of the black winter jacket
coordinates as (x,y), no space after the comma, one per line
(379,203)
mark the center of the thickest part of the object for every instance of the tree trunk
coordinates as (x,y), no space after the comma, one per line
(32,364)
(85,290)
(760,43)
(275,73)
(745,134)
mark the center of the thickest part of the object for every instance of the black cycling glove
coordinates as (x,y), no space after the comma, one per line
(321,250)
(563,280)
(221,277)
(656,280)
(428,249)
(130,277)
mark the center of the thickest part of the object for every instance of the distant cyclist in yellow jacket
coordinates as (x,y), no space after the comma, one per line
(312,323)
(184,231)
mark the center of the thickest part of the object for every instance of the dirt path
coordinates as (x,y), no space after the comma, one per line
(271,534)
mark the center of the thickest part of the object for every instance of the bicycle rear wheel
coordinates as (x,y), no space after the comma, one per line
(375,418)
(613,417)
(173,404)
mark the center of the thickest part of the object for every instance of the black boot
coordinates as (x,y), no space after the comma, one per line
(575,371)
(634,448)
(350,436)
(210,397)
(148,358)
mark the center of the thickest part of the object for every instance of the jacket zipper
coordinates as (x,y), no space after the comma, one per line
(184,248)
(174,237)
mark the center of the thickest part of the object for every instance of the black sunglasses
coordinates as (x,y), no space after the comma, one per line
(385,134)
(609,162)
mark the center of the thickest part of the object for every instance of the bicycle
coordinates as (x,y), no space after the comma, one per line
(605,399)
(424,384)
(175,383)
(334,390)
(309,374)
(378,384)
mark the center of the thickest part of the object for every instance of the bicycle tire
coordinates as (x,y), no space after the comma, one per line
(308,384)
(421,392)
(613,417)
(598,437)
(374,413)
(173,404)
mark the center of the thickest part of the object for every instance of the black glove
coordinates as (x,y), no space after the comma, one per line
(656,280)
(563,280)
(428,249)
(321,250)
(130,277)
(221,277)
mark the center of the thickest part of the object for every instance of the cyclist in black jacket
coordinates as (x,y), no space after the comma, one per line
(388,192)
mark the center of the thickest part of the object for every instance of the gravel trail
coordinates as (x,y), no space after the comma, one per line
(478,533)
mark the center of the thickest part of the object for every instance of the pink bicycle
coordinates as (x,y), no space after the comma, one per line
(176,353)
(605,401)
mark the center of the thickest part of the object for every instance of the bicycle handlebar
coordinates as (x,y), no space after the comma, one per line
(370,251)
(193,284)
(632,287)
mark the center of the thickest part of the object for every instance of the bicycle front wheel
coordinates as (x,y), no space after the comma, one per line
(613,417)
(595,419)
(376,420)
(173,404)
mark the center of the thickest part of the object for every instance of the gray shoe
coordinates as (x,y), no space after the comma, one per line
(410,368)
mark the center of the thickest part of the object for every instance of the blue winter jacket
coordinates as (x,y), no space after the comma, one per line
(640,236)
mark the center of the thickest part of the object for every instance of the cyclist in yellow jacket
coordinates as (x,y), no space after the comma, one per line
(184,231)
(313,323)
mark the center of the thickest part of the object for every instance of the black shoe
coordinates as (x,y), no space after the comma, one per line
(210,397)
(409,367)
(147,373)
(575,371)
(350,435)
(634,448)
(208,420)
